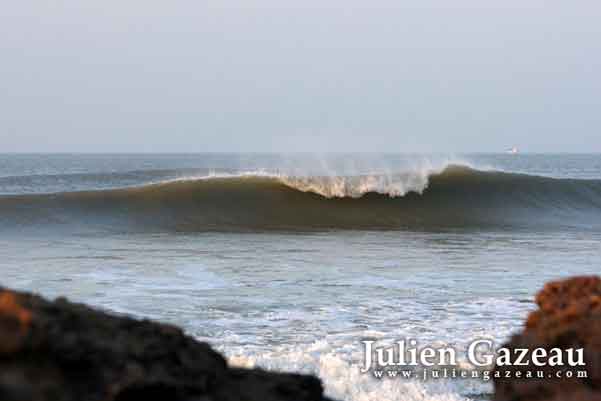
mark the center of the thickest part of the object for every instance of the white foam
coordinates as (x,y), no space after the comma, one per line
(383,180)
(343,380)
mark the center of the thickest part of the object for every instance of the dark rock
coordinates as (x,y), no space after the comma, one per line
(62,351)
(569,316)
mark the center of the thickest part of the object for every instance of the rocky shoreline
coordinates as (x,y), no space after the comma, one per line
(63,351)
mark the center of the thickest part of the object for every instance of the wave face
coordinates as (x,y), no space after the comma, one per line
(456,197)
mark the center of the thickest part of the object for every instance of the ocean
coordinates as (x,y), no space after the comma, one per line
(288,262)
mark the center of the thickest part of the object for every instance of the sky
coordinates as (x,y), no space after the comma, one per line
(311,75)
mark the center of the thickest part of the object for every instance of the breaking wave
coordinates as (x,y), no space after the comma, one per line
(455,196)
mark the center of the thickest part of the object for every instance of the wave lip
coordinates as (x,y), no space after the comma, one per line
(356,187)
(454,197)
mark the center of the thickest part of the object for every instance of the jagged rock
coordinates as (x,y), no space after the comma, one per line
(62,351)
(569,316)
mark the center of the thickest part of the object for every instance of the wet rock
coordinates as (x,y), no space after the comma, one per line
(62,351)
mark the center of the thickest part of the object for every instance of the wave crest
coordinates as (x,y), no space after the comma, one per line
(346,186)
(356,187)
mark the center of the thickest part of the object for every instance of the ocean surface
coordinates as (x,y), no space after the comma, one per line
(288,261)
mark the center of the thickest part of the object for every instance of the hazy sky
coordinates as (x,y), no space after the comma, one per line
(319,75)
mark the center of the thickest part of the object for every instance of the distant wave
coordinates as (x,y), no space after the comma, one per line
(454,197)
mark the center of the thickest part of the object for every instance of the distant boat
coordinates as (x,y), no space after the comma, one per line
(513,151)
